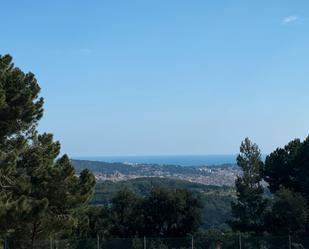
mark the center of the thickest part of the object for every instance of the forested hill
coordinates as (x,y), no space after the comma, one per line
(216,200)
(142,186)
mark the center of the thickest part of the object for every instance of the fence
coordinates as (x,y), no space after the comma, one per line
(205,242)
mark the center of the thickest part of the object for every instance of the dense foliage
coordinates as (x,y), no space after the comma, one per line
(288,167)
(20,110)
(248,209)
(286,175)
(287,214)
(39,191)
(216,200)
(161,213)
(20,105)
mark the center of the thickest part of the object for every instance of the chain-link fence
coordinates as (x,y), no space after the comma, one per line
(202,242)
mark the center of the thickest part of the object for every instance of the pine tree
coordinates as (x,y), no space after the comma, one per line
(39,191)
(20,110)
(51,189)
(248,209)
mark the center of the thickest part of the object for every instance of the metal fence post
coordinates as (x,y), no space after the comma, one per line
(144,242)
(98,241)
(192,242)
(240,241)
(290,242)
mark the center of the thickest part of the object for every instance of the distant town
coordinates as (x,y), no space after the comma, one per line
(217,175)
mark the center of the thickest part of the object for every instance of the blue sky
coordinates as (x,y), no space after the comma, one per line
(165,76)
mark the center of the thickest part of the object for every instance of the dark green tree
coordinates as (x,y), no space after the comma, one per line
(280,168)
(171,213)
(161,213)
(125,213)
(20,109)
(300,174)
(288,214)
(248,209)
(39,190)
(92,222)
(20,105)
(50,188)
(288,168)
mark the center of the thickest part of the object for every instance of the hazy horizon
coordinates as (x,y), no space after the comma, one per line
(182,160)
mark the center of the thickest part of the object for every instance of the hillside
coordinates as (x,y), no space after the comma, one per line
(216,199)
(125,168)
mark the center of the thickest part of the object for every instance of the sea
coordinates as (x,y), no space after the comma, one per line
(182,160)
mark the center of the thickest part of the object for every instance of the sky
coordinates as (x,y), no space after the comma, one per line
(164,77)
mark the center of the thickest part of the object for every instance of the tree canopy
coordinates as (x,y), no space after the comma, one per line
(247,210)
(20,105)
(288,214)
(39,189)
(161,213)
(286,174)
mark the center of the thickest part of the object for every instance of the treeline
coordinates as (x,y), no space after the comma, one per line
(216,200)
(104,191)
(285,174)
(161,213)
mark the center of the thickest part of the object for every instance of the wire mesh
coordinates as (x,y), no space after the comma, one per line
(199,242)
(224,242)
